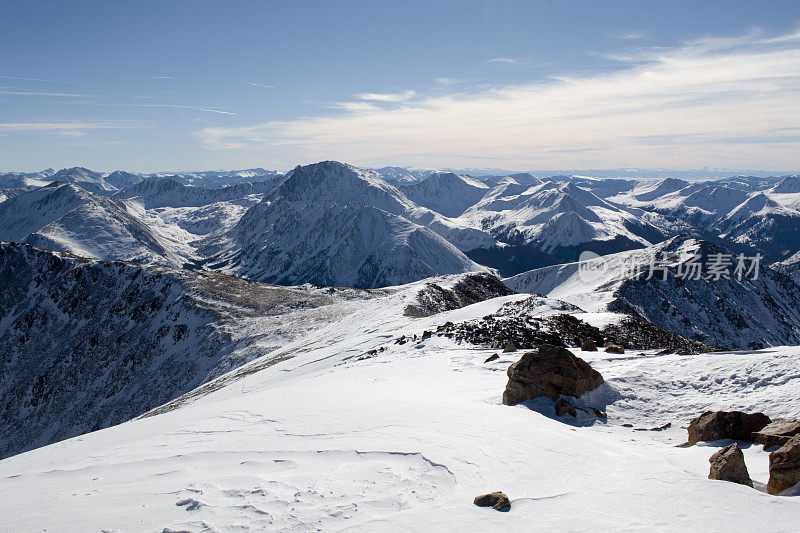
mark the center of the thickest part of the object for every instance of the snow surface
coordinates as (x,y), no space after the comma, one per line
(339,437)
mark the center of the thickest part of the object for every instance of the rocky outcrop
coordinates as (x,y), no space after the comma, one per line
(549,371)
(728,465)
(496,500)
(716,425)
(589,345)
(512,323)
(510,347)
(784,466)
(778,432)
(471,289)
(614,348)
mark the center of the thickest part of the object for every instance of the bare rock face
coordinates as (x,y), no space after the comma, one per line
(778,432)
(588,345)
(496,500)
(614,348)
(716,425)
(784,466)
(728,465)
(549,371)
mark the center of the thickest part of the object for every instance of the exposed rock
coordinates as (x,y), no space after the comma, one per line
(728,465)
(496,500)
(510,347)
(549,371)
(778,432)
(589,345)
(512,322)
(563,407)
(784,466)
(716,425)
(658,428)
(492,357)
(614,348)
(471,289)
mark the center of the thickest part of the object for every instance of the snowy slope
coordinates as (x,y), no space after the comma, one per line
(129,338)
(339,438)
(728,313)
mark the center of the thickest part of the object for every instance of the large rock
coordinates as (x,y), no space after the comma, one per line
(778,432)
(717,425)
(588,345)
(614,348)
(784,466)
(549,371)
(496,500)
(728,465)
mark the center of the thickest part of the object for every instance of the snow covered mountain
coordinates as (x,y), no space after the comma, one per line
(552,223)
(729,312)
(446,193)
(334,224)
(65,217)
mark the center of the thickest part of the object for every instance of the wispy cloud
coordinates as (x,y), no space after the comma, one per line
(161,77)
(22,92)
(388,97)
(266,86)
(711,102)
(509,60)
(631,35)
(65,128)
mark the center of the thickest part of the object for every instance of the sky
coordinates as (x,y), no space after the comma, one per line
(159,86)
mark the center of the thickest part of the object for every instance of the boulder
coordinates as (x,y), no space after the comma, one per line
(496,500)
(510,347)
(563,407)
(549,371)
(716,425)
(614,348)
(491,358)
(588,345)
(784,466)
(728,465)
(778,432)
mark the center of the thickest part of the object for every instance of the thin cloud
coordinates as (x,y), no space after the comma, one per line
(388,97)
(631,35)
(712,102)
(252,84)
(161,77)
(65,128)
(19,92)
(508,60)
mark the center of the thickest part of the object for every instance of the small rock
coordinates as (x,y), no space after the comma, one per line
(510,347)
(716,425)
(588,345)
(784,466)
(778,432)
(599,414)
(563,407)
(728,465)
(549,371)
(627,425)
(492,358)
(614,348)
(496,500)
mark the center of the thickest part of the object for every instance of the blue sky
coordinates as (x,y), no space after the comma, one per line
(519,85)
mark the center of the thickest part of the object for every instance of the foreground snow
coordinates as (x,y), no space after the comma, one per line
(338,438)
